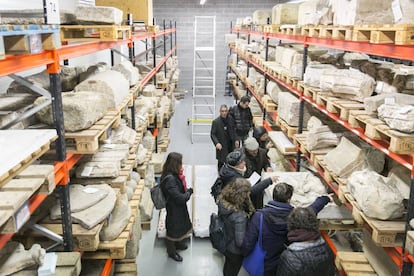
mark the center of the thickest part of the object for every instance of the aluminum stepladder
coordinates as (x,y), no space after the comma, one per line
(204,76)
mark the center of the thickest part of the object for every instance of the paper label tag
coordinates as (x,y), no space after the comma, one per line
(108,146)
(379,86)
(90,190)
(22,215)
(254,178)
(396,10)
(87,171)
(389,100)
(52,11)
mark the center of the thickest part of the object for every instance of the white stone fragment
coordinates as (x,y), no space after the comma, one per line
(399,117)
(377,196)
(314,72)
(342,81)
(117,221)
(14,258)
(260,16)
(130,72)
(285,13)
(99,14)
(111,83)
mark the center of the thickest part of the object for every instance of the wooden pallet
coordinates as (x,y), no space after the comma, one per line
(126,267)
(289,80)
(343,107)
(273,28)
(399,142)
(14,203)
(342,32)
(311,92)
(87,141)
(383,233)
(353,264)
(290,29)
(94,32)
(115,249)
(28,39)
(300,140)
(269,104)
(399,34)
(289,130)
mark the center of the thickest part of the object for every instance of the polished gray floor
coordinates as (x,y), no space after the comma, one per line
(200,258)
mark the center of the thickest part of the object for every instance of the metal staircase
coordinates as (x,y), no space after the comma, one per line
(204,76)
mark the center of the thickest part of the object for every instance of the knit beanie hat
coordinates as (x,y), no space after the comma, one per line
(235,157)
(251,144)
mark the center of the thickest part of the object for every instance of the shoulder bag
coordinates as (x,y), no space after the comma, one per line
(254,263)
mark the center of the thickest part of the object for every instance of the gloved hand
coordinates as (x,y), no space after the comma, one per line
(190,190)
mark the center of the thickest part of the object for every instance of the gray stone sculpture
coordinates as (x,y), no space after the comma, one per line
(117,221)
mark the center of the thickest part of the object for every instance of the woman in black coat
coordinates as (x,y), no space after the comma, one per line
(175,190)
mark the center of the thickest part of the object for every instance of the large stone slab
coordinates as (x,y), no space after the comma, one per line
(80,110)
(285,13)
(315,12)
(98,169)
(95,214)
(98,14)
(314,72)
(399,117)
(117,221)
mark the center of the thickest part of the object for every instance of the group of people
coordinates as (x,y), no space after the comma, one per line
(290,236)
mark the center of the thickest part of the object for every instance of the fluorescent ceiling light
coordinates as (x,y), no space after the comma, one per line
(202,2)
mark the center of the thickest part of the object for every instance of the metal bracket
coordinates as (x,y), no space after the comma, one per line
(30,85)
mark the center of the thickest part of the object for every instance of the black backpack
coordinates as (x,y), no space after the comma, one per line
(217,233)
(216,188)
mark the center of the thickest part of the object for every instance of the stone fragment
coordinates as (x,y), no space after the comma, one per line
(146,205)
(315,12)
(123,135)
(92,70)
(348,157)
(128,70)
(132,246)
(377,196)
(80,110)
(273,89)
(288,109)
(95,214)
(285,13)
(117,221)
(81,198)
(362,12)
(260,16)
(399,117)
(98,169)
(110,83)
(342,81)
(314,72)
(14,258)
(98,14)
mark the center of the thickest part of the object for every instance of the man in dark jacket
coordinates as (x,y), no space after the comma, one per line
(223,136)
(274,229)
(256,161)
(242,119)
(308,254)
(235,167)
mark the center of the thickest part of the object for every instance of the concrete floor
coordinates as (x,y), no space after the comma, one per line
(200,258)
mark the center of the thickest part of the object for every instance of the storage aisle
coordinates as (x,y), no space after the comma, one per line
(200,258)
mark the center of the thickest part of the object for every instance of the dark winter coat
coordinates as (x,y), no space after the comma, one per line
(229,173)
(178,222)
(235,224)
(259,132)
(256,163)
(274,230)
(242,120)
(222,132)
(307,258)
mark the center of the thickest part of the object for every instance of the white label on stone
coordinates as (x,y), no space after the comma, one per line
(396,10)
(389,100)
(87,171)
(52,11)
(109,146)
(379,86)
(90,190)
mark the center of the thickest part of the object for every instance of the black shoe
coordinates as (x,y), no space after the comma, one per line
(176,257)
(181,246)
